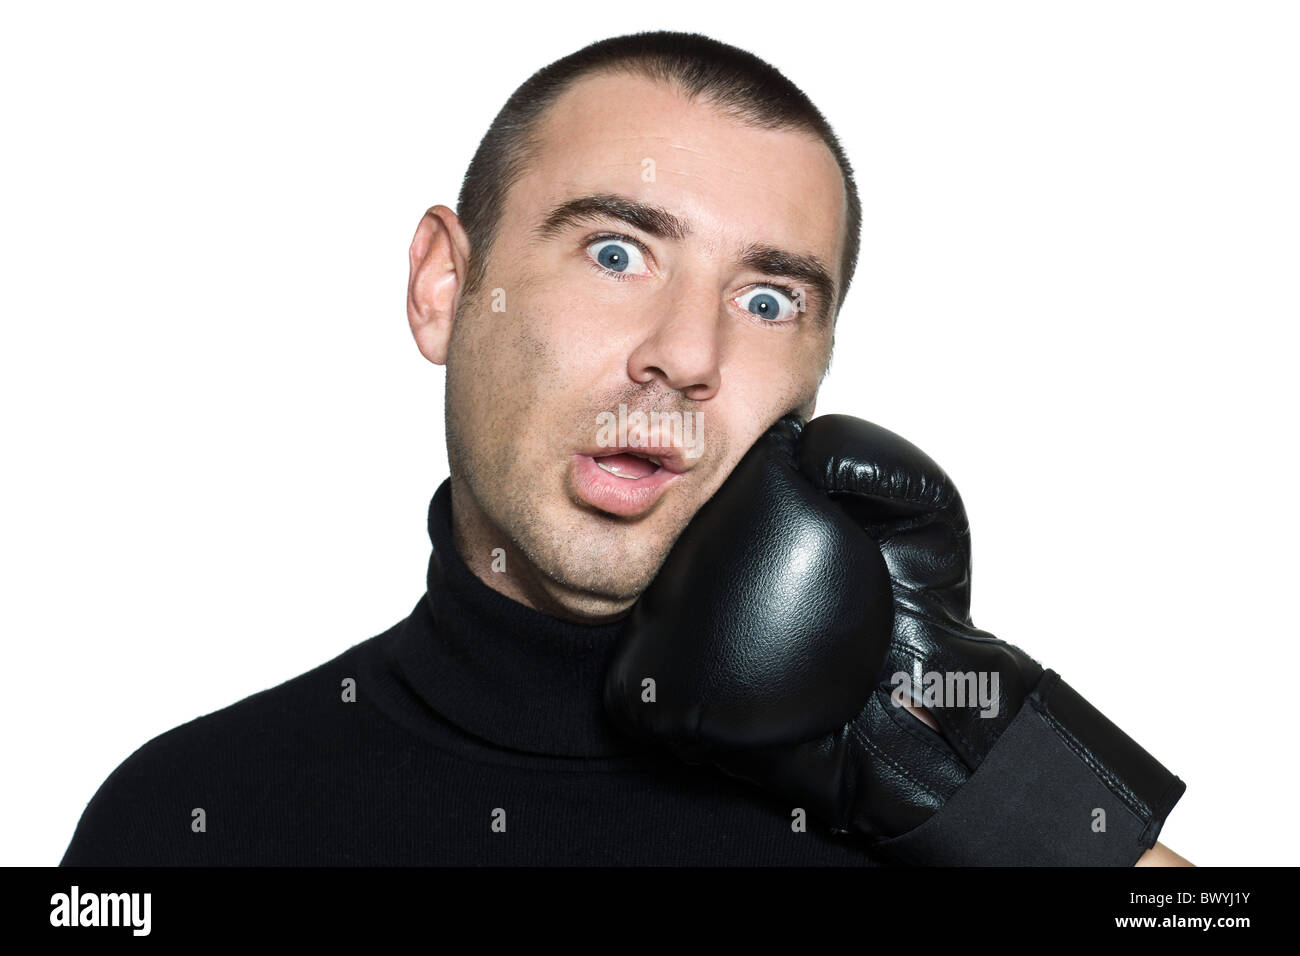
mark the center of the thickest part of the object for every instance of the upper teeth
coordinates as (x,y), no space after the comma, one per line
(615,470)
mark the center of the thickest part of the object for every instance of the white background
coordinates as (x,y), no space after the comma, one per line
(1077,292)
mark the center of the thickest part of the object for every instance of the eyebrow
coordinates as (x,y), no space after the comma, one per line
(660,223)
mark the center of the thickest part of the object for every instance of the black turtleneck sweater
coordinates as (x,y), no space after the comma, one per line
(476,737)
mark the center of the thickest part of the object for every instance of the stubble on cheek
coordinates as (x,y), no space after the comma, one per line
(496,376)
(508,423)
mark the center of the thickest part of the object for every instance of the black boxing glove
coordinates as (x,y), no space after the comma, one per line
(776,640)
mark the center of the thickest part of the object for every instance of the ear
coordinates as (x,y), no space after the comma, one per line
(439,259)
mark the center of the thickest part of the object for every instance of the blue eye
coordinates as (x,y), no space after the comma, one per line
(617,256)
(767,303)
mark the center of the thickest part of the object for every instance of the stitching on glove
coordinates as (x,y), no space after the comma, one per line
(962,631)
(1113,784)
(845,476)
(897,767)
(920,656)
(934,739)
(1160,811)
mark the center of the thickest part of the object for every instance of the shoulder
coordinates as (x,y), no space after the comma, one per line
(148,810)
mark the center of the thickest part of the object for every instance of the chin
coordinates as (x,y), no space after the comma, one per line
(618,572)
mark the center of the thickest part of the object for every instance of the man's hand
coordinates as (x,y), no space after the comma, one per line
(1161,855)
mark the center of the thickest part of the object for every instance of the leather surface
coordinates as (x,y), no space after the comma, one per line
(773,638)
(768,621)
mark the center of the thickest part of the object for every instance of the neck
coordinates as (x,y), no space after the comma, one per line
(498,669)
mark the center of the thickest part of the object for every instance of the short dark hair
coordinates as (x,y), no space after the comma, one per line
(733,80)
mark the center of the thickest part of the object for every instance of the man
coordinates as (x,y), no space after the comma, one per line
(658,224)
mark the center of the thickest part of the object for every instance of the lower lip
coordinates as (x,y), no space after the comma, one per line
(626,497)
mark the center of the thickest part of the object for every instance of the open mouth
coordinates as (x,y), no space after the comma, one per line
(624,483)
(629,465)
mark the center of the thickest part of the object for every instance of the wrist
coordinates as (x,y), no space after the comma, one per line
(1161,855)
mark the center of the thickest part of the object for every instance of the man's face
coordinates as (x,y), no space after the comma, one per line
(602,301)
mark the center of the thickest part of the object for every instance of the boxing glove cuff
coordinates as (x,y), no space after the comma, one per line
(1062,786)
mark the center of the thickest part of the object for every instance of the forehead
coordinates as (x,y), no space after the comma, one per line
(735,183)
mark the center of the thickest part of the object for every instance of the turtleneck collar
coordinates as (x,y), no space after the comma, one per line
(502,671)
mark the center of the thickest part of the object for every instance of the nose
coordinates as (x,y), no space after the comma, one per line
(683,344)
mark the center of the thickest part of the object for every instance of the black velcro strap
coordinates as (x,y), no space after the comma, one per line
(1034,801)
